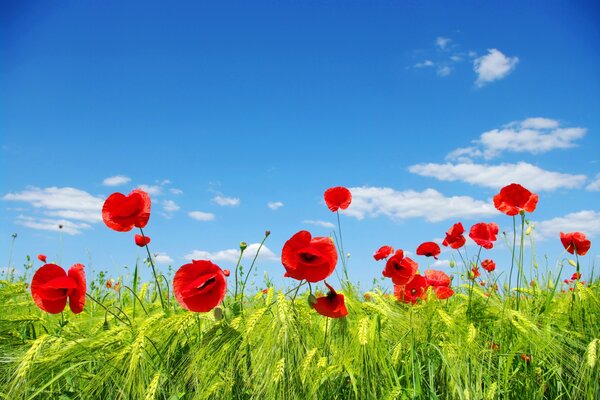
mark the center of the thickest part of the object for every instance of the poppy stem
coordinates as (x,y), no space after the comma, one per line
(252,266)
(343,254)
(512,258)
(237,267)
(105,308)
(521,259)
(162,302)
(138,299)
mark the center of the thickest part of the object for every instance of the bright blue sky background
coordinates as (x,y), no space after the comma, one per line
(225,107)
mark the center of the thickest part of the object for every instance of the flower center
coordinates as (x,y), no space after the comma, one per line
(207,283)
(413,291)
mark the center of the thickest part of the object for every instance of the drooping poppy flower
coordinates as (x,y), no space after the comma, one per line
(440,282)
(305,257)
(332,305)
(474,273)
(338,197)
(575,276)
(121,213)
(575,242)
(42,258)
(454,236)
(488,265)
(484,234)
(51,287)
(142,240)
(401,269)
(383,252)
(199,286)
(429,249)
(414,290)
(514,198)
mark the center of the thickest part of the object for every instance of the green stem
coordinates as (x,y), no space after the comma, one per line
(162,302)
(252,266)
(521,258)
(237,267)
(512,258)
(138,299)
(105,308)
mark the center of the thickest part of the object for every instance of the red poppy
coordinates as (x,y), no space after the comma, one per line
(414,290)
(575,242)
(526,358)
(474,273)
(383,252)
(440,282)
(199,286)
(141,240)
(226,272)
(429,249)
(122,213)
(575,276)
(484,234)
(338,197)
(42,258)
(488,265)
(332,305)
(51,286)
(305,257)
(401,269)
(514,198)
(454,236)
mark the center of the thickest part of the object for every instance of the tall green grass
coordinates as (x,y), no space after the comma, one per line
(279,348)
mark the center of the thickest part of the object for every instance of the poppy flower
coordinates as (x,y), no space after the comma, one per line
(51,287)
(332,305)
(526,358)
(42,258)
(199,286)
(575,276)
(429,249)
(305,257)
(484,234)
(514,198)
(474,273)
(440,282)
(121,213)
(383,252)
(575,242)
(401,269)
(338,197)
(141,240)
(414,290)
(454,236)
(488,265)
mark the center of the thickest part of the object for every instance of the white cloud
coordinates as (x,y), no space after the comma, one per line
(428,204)
(323,224)
(170,206)
(162,258)
(153,190)
(532,135)
(442,42)
(493,66)
(441,263)
(424,64)
(444,71)
(497,176)
(232,255)
(226,201)
(586,221)
(274,205)
(65,202)
(116,180)
(594,186)
(176,192)
(47,224)
(201,216)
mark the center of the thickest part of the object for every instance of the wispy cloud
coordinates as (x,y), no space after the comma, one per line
(323,224)
(497,176)
(425,64)
(532,135)
(444,71)
(586,221)
(162,258)
(54,225)
(116,180)
(442,42)
(594,186)
(232,255)
(153,190)
(226,201)
(201,215)
(274,205)
(170,206)
(493,66)
(429,204)
(175,191)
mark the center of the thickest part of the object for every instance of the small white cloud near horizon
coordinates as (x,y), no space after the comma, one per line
(170,206)
(274,205)
(442,42)
(232,255)
(497,176)
(224,201)
(429,204)
(175,191)
(162,258)
(444,71)
(493,66)
(441,263)
(153,190)
(594,186)
(53,225)
(116,180)
(201,215)
(585,221)
(424,64)
(323,224)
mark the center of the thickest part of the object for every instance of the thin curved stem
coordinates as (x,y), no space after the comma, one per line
(162,302)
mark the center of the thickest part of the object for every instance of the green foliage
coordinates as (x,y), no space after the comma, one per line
(472,346)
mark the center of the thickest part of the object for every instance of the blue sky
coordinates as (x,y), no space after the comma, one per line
(424,109)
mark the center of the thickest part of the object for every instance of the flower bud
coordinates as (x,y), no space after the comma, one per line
(218,313)
(572,262)
(267,232)
(243,246)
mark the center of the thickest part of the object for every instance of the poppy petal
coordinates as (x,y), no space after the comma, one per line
(50,299)
(199,286)
(77,297)
(338,197)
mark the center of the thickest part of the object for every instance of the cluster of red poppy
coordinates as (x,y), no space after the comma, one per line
(201,285)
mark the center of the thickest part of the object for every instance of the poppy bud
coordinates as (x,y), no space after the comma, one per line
(60,226)
(14,235)
(243,246)
(105,325)
(528,231)
(572,262)
(452,263)
(218,313)
(267,232)
(226,272)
